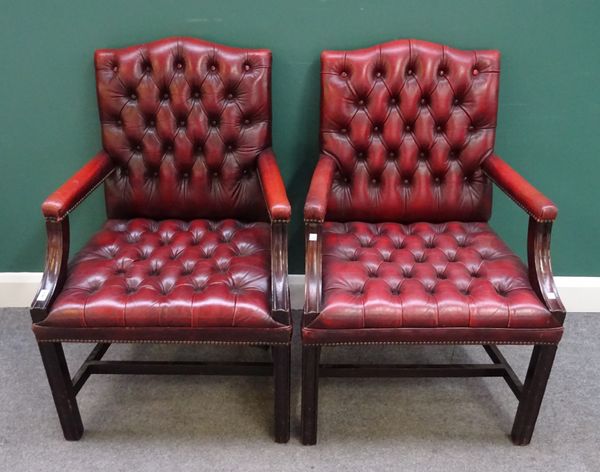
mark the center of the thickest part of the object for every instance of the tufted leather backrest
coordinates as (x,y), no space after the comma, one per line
(184,121)
(409,123)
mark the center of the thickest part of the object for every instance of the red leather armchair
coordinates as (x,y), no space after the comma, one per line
(194,249)
(399,249)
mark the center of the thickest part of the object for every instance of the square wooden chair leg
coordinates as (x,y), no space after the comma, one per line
(310,393)
(59,378)
(281,374)
(536,380)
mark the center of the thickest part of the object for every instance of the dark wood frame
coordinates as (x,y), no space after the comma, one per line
(530,394)
(65,389)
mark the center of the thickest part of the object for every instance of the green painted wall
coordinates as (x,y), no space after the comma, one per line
(549,111)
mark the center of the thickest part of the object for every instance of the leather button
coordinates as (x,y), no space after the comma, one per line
(246,121)
(438,128)
(230,96)
(422,154)
(361,102)
(392,154)
(229,147)
(471,128)
(185,175)
(360,155)
(475,71)
(169,147)
(155,173)
(378,74)
(376,129)
(423,101)
(393,101)
(138,147)
(344,74)
(343,131)
(214,122)
(119,123)
(152,123)
(213,67)
(133,96)
(246,66)
(406,182)
(442,72)
(409,72)
(115,68)
(408,127)
(215,174)
(374,181)
(245,172)
(182,123)
(165,96)
(437,180)
(179,65)
(456,101)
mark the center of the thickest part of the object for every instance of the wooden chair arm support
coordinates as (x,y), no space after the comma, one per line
(312,286)
(55,270)
(280,291)
(540,266)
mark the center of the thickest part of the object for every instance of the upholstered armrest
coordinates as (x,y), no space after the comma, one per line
(522,192)
(74,190)
(280,213)
(315,207)
(273,187)
(315,210)
(56,209)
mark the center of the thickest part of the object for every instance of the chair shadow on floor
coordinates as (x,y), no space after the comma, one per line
(205,407)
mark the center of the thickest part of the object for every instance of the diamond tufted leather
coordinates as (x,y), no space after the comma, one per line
(195,247)
(449,276)
(398,248)
(408,124)
(143,273)
(184,122)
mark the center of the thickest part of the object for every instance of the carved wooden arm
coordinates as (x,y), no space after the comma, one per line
(542,212)
(315,210)
(280,212)
(56,209)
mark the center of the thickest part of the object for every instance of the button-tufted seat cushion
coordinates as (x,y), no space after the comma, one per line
(390,282)
(402,194)
(195,202)
(195,277)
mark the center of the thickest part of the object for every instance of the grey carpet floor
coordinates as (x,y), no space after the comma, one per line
(224,423)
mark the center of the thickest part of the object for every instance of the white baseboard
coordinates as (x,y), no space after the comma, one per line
(579,294)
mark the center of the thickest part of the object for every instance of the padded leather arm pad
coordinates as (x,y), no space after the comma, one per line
(74,190)
(315,207)
(273,187)
(520,190)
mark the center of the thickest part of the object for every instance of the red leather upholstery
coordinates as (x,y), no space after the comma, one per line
(68,196)
(315,207)
(392,278)
(522,192)
(184,122)
(401,195)
(408,124)
(143,274)
(274,188)
(190,183)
